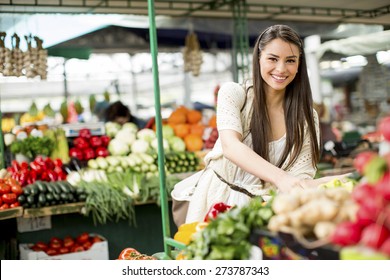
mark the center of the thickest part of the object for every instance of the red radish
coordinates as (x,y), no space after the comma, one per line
(371,206)
(384,127)
(361,191)
(374,235)
(383,186)
(347,233)
(362,159)
(385,248)
(386,215)
(363,216)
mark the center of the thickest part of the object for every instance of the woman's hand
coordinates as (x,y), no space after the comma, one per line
(315,183)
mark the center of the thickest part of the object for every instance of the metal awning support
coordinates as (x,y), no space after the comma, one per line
(240,42)
(168,241)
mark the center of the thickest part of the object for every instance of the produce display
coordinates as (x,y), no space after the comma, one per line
(42,194)
(87,146)
(68,244)
(227,236)
(44,169)
(133,254)
(10,190)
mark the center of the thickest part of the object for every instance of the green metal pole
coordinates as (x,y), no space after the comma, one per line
(158,118)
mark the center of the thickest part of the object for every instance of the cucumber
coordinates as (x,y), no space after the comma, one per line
(30,200)
(34,189)
(49,196)
(41,186)
(64,187)
(56,187)
(22,199)
(42,199)
(64,196)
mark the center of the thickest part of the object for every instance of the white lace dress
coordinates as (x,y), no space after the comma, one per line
(232,114)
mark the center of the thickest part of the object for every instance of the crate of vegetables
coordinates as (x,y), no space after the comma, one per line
(86,246)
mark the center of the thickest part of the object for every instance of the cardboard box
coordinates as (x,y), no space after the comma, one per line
(98,251)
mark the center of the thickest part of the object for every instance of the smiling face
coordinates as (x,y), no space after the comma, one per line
(279,62)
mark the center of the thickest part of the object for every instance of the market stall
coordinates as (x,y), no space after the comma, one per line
(249,230)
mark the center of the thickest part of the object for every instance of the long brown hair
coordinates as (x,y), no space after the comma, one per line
(298,103)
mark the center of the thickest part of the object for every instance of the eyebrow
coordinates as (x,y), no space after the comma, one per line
(290,56)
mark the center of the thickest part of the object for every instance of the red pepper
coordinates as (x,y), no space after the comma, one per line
(89,153)
(52,175)
(80,143)
(58,162)
(24,165)
(32,175)
(101,152)
(36,166)
(85,133)
(15,165)
(49,163)
(95,141)
(215,209)
(40,160)
(76,153)
(105,140)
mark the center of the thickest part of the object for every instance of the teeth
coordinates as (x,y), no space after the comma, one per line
(279,78)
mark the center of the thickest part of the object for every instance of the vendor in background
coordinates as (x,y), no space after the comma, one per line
(120,113)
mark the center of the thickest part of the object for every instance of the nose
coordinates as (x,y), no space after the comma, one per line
(280,66)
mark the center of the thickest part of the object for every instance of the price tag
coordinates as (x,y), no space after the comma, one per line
(33,224)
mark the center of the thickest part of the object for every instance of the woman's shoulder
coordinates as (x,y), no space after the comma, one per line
(232,90)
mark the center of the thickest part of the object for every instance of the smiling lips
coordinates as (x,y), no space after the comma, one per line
(279,78)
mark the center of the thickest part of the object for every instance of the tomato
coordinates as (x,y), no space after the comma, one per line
(16,204)
(87,245)
(5,188)
(64,250)
(9,198)
(51,252)
(4,206)
(68,242)
(128,254)
(41,245)
(55,243)
(95,239)
(77,248)
(17,189)
(35,248)
(82,238)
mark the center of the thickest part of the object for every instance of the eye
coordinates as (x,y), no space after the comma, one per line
(272,59)
(291,61)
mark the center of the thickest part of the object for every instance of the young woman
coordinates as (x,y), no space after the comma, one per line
(268,131)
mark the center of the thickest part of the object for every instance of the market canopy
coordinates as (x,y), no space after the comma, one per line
(358,45)
(311,11)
